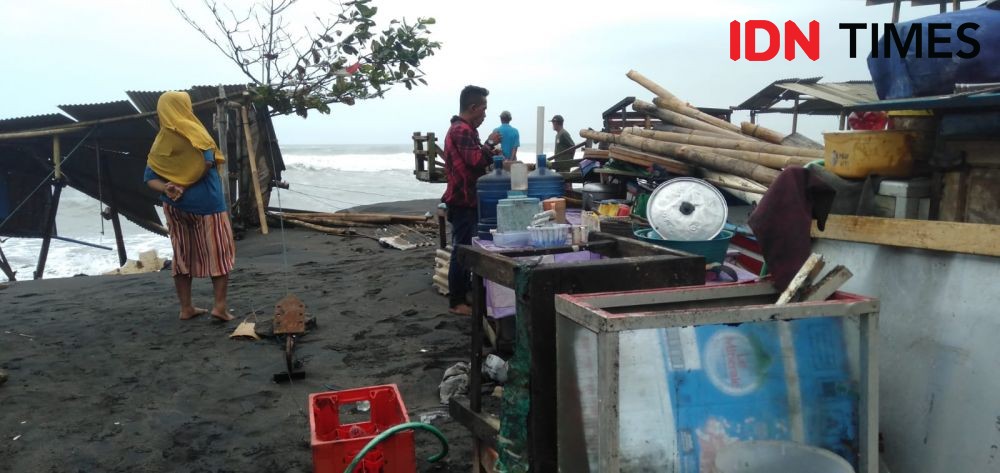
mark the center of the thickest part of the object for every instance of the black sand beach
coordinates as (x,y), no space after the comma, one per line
(105,378)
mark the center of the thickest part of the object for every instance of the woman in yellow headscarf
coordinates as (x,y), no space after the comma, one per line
(181,166)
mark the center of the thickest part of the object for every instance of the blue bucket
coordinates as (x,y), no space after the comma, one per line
(713,250)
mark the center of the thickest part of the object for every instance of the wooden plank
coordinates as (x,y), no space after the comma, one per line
(955,237)
(801,278)
(254,177)
(828,285)
(642,158)
(608,364)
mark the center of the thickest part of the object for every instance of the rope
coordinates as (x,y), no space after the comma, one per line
(347,189)
(324,200)
(46,178)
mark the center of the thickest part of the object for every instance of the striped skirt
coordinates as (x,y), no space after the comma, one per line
(203,244)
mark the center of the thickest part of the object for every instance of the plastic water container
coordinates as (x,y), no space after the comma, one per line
(553,235)
(490,189)
(544,183)
(778,456)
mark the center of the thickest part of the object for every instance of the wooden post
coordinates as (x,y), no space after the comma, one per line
(476,360)
(418,147)
(431,155)
(956,5)
(843,120)
(944,6)
(222,141)
(895,10)
(57,156)
(254,178)
(442,230)
(112,209)
(51,211)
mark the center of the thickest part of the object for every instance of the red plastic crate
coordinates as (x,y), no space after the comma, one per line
(334,444)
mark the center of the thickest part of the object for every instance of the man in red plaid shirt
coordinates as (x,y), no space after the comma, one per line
(465,160)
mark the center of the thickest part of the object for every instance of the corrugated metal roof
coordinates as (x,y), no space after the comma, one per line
(814,97)
(915,3)
(96,111)
(145,100)
(33,122)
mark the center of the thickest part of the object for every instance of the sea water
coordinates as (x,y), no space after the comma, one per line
(322,177)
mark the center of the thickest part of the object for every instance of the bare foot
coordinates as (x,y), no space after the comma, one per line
(223,315)
(461,309)
(192,312)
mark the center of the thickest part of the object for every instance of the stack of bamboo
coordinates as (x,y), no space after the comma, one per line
(745,159)
(442,260)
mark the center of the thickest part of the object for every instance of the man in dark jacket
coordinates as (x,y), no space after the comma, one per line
(465,160)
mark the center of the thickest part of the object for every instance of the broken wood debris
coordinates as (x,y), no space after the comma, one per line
(802,289)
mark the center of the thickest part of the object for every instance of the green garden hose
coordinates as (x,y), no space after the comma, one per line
(393,431)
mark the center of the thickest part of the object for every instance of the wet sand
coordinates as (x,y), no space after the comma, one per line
(105,378)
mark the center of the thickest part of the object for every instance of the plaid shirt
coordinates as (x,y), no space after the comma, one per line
(465,161)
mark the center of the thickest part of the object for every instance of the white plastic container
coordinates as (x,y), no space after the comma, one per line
(512,239)
(552,235)
(778,456)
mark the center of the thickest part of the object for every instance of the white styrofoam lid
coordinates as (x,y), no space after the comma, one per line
(687,209)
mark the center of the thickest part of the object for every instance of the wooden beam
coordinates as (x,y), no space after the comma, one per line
(828,285)
(254,178)
(802,278)
(955,237)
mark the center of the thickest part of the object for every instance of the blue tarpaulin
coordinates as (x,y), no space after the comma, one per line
(908,76)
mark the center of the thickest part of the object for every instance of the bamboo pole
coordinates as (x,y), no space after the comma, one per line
(254,177)
(56,157)
(763,133)
(680,120)
(727,143)
(773,161)
(688,131)
(708,159)
(327,230)
(675,104)
(641,158)
(733,182)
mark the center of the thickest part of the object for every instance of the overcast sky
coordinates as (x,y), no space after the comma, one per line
(565,55)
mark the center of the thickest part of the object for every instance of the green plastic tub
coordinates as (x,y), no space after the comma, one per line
(713,250)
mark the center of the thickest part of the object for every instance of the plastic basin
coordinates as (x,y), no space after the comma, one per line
(713,250)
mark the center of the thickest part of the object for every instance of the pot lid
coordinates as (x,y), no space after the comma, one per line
(687,209)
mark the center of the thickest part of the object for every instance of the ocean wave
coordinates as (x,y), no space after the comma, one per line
(348,162)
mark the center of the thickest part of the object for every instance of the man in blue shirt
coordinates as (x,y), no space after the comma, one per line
(510,139)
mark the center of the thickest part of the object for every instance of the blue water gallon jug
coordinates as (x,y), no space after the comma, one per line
(490,189)
(544,183)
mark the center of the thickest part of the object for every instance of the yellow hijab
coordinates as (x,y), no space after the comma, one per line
(178,151)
